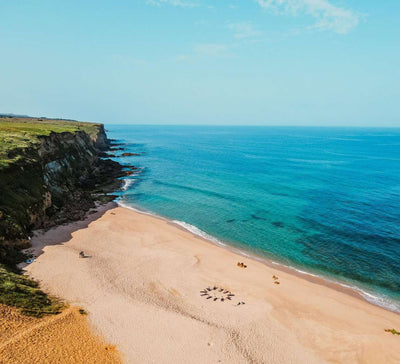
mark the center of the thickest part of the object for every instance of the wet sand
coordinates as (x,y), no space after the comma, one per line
(141,283)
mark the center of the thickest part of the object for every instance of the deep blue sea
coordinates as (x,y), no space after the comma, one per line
(322,200)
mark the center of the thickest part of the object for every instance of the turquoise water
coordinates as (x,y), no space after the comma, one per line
(326,201)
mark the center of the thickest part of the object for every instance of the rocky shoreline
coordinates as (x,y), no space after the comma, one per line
(55,182)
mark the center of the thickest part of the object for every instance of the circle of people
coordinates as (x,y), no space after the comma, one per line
(215,293)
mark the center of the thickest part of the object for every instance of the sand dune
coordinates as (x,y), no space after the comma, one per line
(64,338)
(141,285)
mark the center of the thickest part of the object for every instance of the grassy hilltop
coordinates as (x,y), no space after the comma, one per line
(24,132)
(19,136)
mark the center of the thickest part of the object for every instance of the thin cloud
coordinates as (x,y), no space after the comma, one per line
(211,49)
(183,58)
(327,15)
(244,30)
(204,50)
(181,3)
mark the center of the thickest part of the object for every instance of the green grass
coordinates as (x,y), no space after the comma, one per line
(19,291)
(17,134)
(393,331)
(20,133)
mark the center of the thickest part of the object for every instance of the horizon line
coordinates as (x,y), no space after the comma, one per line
(12,115)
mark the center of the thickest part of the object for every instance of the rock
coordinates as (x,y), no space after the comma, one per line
(130,154)
(56,181)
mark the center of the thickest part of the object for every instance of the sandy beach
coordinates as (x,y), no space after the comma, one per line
(63,338)
(141,282)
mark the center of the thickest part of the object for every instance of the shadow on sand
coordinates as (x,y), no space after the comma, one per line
(63,233)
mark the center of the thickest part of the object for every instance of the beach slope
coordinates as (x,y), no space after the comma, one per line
(64,338)
(142,282)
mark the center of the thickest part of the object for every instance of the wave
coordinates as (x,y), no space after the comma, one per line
(129,207)
(373,298)
(127,183)
(196,231)
(314,161)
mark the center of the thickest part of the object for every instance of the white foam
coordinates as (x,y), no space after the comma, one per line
(127,184)
(129,207)
(196,231)
(375,299)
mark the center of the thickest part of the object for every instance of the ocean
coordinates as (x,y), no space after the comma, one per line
(325,201)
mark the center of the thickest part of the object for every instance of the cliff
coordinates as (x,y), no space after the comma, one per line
(51,171)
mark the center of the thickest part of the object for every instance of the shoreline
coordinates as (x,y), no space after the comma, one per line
(344,287)
(140,285)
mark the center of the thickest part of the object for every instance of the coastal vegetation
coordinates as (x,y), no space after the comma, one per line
(19,133)
(21,292)
(51,172)
(393,331)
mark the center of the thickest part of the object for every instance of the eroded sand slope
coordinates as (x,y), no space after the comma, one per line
(64,338)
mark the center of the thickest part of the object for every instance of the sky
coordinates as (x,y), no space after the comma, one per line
(222,62)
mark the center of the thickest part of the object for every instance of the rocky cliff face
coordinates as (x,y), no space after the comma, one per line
(52,183)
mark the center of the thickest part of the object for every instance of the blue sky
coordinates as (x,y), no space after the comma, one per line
(272,62)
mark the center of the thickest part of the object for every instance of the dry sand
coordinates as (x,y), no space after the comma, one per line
(141,285)
(65,338)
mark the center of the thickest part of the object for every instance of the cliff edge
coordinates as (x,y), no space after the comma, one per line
(51,172)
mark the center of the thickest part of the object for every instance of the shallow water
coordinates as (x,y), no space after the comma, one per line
(323,200)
